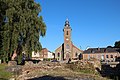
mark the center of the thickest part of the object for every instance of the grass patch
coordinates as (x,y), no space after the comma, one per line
(4,75)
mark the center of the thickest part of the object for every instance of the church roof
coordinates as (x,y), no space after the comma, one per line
(76,47)
(60,46)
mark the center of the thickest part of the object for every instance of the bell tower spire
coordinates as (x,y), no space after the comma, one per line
(67,40)
(67,24)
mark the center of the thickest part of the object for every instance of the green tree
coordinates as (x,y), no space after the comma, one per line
(117,44)
(20,27)
(3,8)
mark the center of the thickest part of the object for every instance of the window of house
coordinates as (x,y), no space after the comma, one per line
(67,32)
(58,54)
(106,56)
(80,56)
(111,56)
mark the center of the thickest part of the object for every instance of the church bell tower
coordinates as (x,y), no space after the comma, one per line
(67,41)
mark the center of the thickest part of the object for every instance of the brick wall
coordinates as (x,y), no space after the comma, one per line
(101,56)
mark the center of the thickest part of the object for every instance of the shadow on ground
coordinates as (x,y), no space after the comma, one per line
(48,78)
(3,79)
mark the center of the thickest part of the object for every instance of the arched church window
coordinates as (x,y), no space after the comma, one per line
(76,54)
(111,56)
(67,32)
(67,46)
(58,54)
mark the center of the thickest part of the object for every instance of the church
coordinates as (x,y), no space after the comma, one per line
(67,50)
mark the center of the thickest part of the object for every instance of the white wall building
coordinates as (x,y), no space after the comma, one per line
(36,55)
(50,54)
(43,54)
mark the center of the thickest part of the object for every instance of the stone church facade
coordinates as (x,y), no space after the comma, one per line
(67,50)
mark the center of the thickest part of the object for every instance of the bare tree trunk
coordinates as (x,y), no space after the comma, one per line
(14,55)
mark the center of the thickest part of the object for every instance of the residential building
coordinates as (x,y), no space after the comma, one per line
(104,54)
(43,54)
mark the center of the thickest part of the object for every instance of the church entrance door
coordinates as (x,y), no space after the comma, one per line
(67,56)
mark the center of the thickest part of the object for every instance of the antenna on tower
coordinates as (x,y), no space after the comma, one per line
(67,19)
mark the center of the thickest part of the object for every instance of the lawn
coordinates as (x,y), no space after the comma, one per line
(4,75)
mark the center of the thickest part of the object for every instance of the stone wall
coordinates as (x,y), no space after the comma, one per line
(15,69)
(76,52)
(26,71)
(58,50)
(49,66)
(41,66)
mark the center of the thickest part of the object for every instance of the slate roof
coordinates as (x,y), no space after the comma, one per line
(101,50)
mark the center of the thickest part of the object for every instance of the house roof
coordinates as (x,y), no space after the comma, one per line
(101,50)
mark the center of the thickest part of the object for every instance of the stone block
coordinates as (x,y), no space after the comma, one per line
(29,63)
(12,63)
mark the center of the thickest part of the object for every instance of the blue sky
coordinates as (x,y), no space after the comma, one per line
(94,23)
